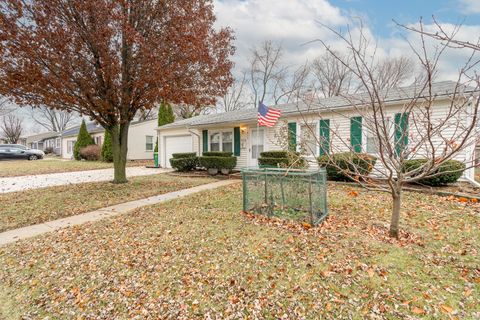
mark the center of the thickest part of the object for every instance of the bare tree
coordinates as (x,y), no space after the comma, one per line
(236,96)
(393,72)
(270,79)
(411,130)
(333,78)
(53,120)
(11,128)
(186,111)
(4,107)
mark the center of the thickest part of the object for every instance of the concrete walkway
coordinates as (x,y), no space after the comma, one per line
(22,183)
(122,208)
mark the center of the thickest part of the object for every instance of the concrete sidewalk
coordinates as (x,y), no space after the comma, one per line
(22,183)
(38,229)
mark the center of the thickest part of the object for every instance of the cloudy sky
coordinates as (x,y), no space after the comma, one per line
(295,23)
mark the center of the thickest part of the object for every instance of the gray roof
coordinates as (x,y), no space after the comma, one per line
(42,136)
(443,88)
(92,127)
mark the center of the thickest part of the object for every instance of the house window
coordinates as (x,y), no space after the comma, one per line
(98,140)
(372,142)
(309,144)
(221,141)
(57,143)
(149,143)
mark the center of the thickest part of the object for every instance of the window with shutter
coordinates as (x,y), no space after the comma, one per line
(324,136)
(401,132)
(205,140)
(292,136)
(356,134)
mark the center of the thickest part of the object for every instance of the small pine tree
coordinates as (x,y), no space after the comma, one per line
(107,154)
(83,139)
(165,116)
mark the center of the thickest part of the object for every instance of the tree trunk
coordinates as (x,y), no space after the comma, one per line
(397,203)
(119,150)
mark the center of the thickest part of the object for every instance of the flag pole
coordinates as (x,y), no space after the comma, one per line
(258,129)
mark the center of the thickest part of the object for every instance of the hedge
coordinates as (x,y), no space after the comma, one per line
(216,162)
(184,164)
(274,154)
(281,159)
(350,163)
(184,155)
(453,171)
(107,152)
(186,161)
(217,154)
(273,162)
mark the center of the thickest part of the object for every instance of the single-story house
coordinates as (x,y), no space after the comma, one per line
(141,139)
(45,141)
(237,131)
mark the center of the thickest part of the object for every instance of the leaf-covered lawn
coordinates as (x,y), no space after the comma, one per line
(40,205)
(200,257)
(23,167)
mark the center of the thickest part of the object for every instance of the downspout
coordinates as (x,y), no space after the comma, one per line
(198,139)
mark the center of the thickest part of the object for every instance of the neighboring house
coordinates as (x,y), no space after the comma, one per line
(45,141)
(237,131)
(141,139)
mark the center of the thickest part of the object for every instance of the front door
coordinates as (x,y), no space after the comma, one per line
(257,143)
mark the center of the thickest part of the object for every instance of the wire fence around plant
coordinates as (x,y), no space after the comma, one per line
(299,195)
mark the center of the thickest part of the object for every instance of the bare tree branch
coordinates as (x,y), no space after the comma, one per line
(12,128)
(53,120)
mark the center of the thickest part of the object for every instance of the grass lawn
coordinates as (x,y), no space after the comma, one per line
(199,257)
(34,206)
(24,167)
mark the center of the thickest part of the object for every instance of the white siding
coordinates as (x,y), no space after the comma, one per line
(340,124)
(162,134)
(137,140)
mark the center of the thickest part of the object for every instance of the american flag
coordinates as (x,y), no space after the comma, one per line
(267,116)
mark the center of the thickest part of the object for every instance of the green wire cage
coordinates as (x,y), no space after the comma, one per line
(293,194)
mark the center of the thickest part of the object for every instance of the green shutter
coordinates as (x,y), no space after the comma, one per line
(401,132)
(236,141)
(324,136)
(292,136)
(356,133)
(205,140)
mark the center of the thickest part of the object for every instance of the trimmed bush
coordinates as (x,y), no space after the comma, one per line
(219,163)
(273,162)
(91,153)
(452,169)
(48,150)
(346,163)
(282,159)
(184,155)
(184,161)
(83,139)
(107,153)
(184,164)
(217,154)
(274,154)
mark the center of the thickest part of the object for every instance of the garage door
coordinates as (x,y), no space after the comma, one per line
(177,144)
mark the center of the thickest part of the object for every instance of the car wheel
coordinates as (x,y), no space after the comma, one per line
(33,157)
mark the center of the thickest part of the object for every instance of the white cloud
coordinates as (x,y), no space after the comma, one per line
(469,6)
(294,23)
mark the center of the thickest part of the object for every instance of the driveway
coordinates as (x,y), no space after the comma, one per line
(22,183)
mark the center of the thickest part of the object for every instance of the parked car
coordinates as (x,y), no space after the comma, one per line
(13,152)
(19,146)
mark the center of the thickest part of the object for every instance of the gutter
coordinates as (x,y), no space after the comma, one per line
(198,138)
